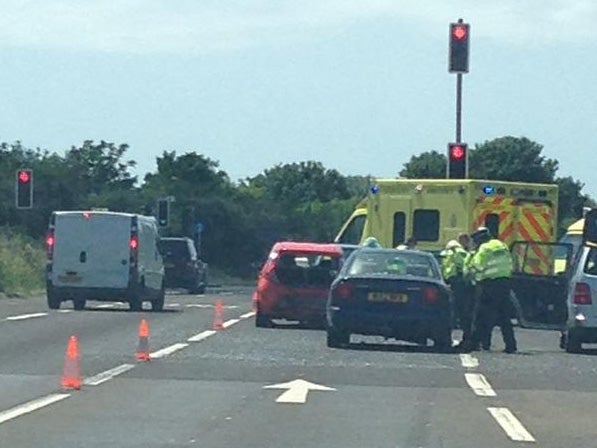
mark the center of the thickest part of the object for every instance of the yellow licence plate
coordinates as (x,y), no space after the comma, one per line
(387,297)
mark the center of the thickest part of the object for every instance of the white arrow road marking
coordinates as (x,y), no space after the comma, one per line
(468,361)
(31,406)
(162,353)
(479,385)
(203,335)
(511,425)
(107,375)
(297,391)
(26,316)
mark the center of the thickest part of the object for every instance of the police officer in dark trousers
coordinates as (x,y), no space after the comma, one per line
(491,266)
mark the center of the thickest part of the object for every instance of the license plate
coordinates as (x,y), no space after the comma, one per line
(394,297)
(70,278)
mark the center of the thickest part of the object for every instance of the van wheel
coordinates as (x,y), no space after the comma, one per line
(573,343)
(53,301)
(157,304)
(136,297)
(79,304)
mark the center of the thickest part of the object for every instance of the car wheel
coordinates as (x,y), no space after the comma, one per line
(157,304)
(443,341)
(336,338)
(262,321)
(53,301)
(79,304)
(573,343)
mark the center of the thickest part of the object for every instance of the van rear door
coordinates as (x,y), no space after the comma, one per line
(91,250)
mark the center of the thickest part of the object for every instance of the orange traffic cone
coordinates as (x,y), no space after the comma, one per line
(71,376)
(218,316)
(254,302)
(143,347)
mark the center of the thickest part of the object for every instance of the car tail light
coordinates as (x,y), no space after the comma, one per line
(50,241)
(582,294)
(430,294)
(343,291)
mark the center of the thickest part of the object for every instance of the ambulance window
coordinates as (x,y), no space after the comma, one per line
(353,232)
(399,228)
(492,222)
(426,225)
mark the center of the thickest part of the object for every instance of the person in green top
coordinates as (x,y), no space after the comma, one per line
(491,268)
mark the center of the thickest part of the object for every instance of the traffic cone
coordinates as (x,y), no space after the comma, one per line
(218,316)
(143,347)
(71,376)
(254,302)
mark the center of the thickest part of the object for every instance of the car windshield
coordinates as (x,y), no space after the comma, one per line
(393,262)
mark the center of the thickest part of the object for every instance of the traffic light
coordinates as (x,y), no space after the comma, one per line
(24,188)
(457,161)
(459,39)
(163,212)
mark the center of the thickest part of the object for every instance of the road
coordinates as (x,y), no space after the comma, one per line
(212,388)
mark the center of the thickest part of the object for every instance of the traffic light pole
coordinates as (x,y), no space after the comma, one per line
(459,108)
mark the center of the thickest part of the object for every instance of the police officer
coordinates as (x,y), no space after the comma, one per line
(371,242)
(491,266)
(454,257)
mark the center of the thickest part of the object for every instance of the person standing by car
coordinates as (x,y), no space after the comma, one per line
(491,266)
(454,256)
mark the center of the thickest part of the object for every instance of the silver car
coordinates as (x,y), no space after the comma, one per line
(581,325)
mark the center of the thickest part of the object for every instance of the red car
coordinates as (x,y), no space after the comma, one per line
(294,283)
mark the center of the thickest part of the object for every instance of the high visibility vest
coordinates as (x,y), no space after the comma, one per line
(492,260)
(453,262)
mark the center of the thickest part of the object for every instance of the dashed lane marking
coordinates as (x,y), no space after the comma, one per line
(31,406)
(209,305)
(247,315)
(65,311)
(479,384)
(162,353)
(106,305)
(511,425)
(230,322)
(468,361)
(201,336)
(173,305)
(100,378)
(26,316)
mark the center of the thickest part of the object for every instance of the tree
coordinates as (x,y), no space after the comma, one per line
(427,165)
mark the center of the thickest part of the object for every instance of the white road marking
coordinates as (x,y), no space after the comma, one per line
(31,406)
(479,385)
(209,305)
(65,311)
(26,316)
(247,315)
(203,335)
(107,375)
(297,391)
(230,322)
(173,305)
(106,305)
(511,425)
(468,361)
(168,350)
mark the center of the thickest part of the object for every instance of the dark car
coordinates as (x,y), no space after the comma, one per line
(294,283)
(183,268)
(393,293)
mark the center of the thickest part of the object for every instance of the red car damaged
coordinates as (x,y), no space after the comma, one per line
(294,283)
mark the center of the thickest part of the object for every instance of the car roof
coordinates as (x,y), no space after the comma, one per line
(306,247)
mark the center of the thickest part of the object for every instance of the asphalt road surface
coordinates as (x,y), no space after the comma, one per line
(282,387)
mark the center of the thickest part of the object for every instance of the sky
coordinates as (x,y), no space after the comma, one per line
(358,85)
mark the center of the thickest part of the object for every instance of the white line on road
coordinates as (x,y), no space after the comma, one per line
(26,316)
(65,311)
(511,425)
(107,375)
(247,315)
(201,336)
(173,305)
(31,406)
(209,305)
(168,350)
(479,385)
(468,361)
(230,322)
(106,305)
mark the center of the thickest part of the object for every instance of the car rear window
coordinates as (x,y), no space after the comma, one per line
(393,263)
(175,249)
(306,270)
(591,263)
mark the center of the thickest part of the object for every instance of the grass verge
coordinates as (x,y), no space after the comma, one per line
(22,263)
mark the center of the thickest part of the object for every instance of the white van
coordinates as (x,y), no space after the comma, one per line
(100,255)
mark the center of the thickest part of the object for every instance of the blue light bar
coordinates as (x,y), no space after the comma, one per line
(488,189)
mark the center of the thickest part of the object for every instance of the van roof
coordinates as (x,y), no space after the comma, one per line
(308,248)
(93,212)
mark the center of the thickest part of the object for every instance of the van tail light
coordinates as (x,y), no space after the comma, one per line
(582,294)
(50,241)
(134,249)
(343,291)
(430,294)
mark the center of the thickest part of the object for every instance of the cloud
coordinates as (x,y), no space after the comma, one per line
(197,26)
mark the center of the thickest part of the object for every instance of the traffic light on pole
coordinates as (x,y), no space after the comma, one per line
(163,212)
(457,161)
(459,47)
(24,188)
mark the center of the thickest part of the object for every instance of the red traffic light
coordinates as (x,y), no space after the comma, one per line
(459,32)
(457,152)
(24,176)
